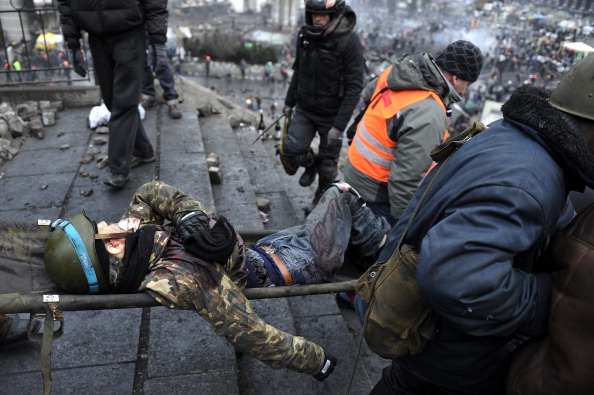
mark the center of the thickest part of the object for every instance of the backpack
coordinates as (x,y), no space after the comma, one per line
(398,321)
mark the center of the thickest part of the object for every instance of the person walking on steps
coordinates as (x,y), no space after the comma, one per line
(327,80)
(117,42)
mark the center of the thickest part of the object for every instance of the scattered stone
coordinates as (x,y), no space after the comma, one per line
(100,140)
(93,176)
(240,189)
(64,147)
(102,161)
(234,122)
(45,105)
(48,118)
(86,192)
(83,172)
(29,119)
(87,158)
(263,204)
(4,130)
(102,130)
(205,110)
(215,174)
(212,159)
(27,110)
(36,127)
(43,186)
(7,151)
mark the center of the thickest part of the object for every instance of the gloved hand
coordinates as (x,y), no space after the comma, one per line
(287,111)
(157,56)
(191,223)
(334,140)
(79,64)
(329,364)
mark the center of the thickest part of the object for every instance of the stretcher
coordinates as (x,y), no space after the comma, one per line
(25,287)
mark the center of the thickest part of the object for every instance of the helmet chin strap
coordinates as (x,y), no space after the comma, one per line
(333,24)
(106,236)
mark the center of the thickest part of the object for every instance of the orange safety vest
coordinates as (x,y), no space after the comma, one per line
(372,151)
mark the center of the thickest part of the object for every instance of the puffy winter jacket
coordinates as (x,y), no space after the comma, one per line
(414,131)
(487,217)
(112,18)
(328,72)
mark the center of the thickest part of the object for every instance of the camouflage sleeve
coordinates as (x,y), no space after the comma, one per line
(229,312)
(155,202)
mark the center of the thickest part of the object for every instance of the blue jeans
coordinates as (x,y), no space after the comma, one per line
(314,251)
(165,77)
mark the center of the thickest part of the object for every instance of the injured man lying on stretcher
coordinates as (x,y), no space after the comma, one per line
(168,246)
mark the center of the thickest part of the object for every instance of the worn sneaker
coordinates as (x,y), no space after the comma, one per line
(137,161)
(174,112)
(116,181)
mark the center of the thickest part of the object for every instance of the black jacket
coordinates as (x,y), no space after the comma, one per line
(328,72)
(112,19)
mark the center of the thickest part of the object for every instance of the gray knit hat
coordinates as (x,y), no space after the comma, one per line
(461,58)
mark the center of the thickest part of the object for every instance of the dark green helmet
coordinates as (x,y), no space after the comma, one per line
(575,92)
(71,258)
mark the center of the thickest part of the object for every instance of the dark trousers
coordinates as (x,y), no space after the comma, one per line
(302,131)
(396,380)
(119,64)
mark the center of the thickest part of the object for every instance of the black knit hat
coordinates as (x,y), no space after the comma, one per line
(463,59)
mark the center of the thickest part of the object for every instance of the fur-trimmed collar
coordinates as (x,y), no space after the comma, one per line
(530,106)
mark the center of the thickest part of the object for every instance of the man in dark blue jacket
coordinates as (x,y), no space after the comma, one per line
(117,42)
(327,80)
(486,219)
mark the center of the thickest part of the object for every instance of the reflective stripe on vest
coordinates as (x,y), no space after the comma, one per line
(372,151)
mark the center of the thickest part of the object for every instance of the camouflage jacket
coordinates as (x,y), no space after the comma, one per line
(179,280)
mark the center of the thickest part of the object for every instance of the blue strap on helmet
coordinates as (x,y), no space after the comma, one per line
(83,255)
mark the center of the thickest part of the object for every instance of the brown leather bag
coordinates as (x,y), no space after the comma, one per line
(562,361)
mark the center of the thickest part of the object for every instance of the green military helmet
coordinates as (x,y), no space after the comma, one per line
(575,92)
(71,259)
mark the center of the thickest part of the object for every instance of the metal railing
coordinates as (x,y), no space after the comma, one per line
(32,50)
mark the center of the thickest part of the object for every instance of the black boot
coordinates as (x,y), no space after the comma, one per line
(308,176)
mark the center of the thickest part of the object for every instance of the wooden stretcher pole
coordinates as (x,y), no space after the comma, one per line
(35,302)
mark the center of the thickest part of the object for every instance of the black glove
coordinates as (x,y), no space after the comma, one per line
(334,140)
(329,364)
(157,56)
(191,223)
(287,111)
(214,245)
(79,64)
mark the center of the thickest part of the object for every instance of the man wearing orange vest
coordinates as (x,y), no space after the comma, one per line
(407,115)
